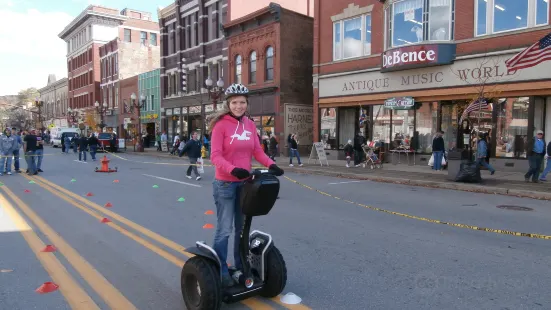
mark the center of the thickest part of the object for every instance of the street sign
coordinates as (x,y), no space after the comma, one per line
(400,103)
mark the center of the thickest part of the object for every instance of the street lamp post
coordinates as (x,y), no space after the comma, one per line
(138,106)
(215,92)
(102,110)
(39,104)
(72,116)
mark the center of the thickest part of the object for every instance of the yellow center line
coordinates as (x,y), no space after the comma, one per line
(253,303)
(112,297)
(76,297)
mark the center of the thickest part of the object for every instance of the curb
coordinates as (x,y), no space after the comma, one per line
(420,183)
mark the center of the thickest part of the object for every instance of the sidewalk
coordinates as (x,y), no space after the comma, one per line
(502,183)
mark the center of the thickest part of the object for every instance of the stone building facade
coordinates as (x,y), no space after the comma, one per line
(55,98)
(192,49)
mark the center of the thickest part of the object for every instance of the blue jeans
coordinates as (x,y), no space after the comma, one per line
(93,151)
(228,213)
(535,162)
(67,147)
(82,154)
(5,168)
(16,159)
(437,160)
(39,155)
(294,152)
(547,169)
(482,162)
(31,165)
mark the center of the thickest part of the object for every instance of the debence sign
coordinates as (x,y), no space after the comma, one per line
(417,56)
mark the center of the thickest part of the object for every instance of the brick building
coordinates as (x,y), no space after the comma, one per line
(192,49)
(276,69)
(91,29)
(54,96)
(413,66)
(134,51)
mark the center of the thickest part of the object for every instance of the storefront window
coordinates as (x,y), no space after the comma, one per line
(347,122)
(403,122)
(512,127)
(381,124)
(539,114)
(426,126)
(328,134)
(450,119)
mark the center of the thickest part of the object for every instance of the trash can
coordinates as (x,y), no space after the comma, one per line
(455,159)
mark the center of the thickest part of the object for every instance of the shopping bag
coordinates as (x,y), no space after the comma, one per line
(200,167)
(443,161)
(431,160)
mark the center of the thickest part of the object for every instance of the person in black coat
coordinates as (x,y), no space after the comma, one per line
(438,148)
(193,150)
(82,143)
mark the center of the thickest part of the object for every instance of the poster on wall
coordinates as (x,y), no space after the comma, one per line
(299,119)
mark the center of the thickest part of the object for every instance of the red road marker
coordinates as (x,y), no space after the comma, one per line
(108,205)
(49,248)
(105,220)
(209,212)
(89,194)
(27,191)
(116,181)
(208,226)
(47,287)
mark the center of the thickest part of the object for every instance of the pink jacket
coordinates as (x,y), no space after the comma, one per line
(233,144)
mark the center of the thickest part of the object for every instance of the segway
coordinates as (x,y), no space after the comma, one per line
(264,272)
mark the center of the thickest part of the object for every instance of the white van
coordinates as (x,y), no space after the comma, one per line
(56,140)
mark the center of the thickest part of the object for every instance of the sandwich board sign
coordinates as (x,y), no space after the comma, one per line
(318,153)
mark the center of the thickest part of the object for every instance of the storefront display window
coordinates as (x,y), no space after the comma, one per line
(328,135)
(265,125)
(426,125)
(381,124)
(347,125)
(403,122)
(512,127)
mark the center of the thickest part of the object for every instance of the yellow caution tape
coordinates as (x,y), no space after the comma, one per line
(424,219)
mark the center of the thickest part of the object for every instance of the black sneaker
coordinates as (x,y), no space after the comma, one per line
(227,281)
(40,170)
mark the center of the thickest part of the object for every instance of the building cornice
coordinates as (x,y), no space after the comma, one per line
(85,15)
(166,11)
(55,84)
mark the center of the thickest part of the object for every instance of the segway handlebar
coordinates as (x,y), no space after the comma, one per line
(258,172)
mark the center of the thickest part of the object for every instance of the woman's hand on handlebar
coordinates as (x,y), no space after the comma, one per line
(276,170)
(240,173)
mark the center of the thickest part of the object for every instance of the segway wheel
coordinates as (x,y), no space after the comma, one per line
(201,286)
(276,274)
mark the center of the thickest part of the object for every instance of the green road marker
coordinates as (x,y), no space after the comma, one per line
(181,199)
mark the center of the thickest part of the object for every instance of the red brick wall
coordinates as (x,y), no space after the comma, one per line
(143,25)
(127,87)
(464,30)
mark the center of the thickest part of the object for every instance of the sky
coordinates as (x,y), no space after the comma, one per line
(30,48)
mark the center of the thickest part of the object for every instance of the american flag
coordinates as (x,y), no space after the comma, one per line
(533,55)
(479,104)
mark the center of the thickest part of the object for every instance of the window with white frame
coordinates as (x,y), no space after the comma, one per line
(415,21)
(496,16)
(352,37)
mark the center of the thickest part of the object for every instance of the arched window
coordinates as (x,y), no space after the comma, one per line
(252,68)
(269,63)
(237,78)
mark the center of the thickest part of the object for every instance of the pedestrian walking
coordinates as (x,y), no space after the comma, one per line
(193,150)
(535,152)
(74,143)
(273,146)
(294,150)
(348,152)
(7,144)
(359,142)
(482,152)
(438,148)
(29,149)
(39,153)
(233,144)
(93,143)
(15,153)
(82,148)
(548,165)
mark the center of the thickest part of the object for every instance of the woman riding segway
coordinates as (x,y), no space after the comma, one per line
(233,144)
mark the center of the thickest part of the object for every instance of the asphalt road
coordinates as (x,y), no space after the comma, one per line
(339,255)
